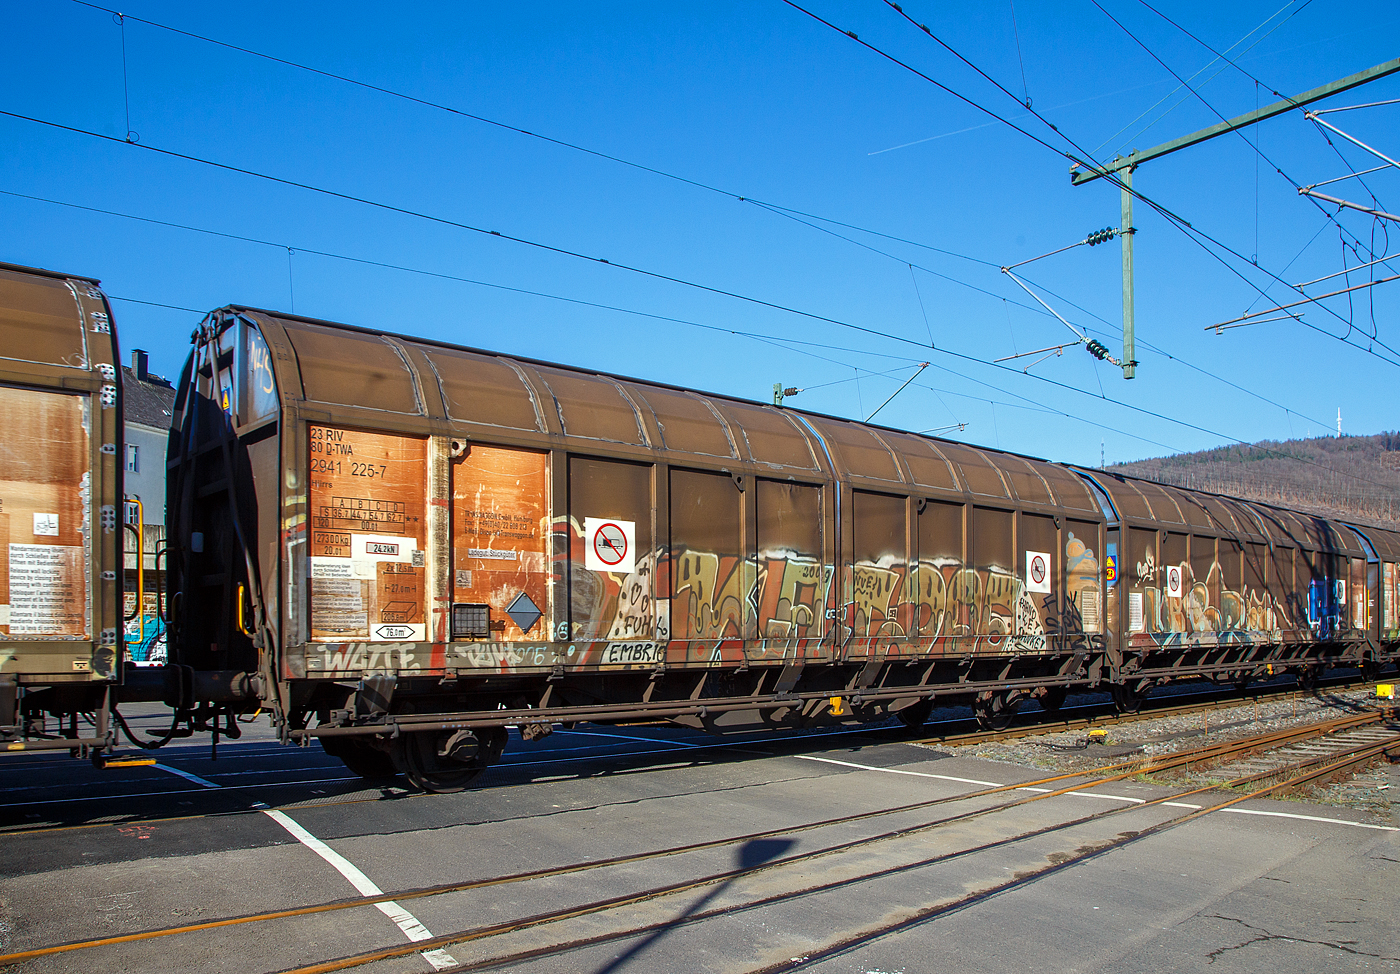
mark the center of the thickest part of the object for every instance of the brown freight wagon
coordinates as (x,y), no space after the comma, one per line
(400,547)
(60,498)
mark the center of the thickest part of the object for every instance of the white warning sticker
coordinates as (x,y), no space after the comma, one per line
(610,545)
(1038,575)
(331,567)
(46,525)
(1175,582)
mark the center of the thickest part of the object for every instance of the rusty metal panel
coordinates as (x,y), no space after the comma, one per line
(367,496)
(978,472)
(705,567)
(611,567)
(1222,516)
(44,515)
(1142,578)
(768,435)
(1025,480)
(789,543)
(857,451)
(1082,611)
(928,467)
(940,540)
(352,368)
(1069,489)
(1160,503)
(1127,498)
(1248,525)
(992,554)
(880,604)
(1386,543)
(40,321)
(1038,565)
(688,423)
(483,389)
(594,407)
(500,540)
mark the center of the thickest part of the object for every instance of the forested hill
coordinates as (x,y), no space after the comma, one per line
(1349,476)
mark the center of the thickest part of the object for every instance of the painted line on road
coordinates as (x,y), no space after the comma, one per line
(916,774)
(411,926)
(203,782)
(1119,798)
(1313,818)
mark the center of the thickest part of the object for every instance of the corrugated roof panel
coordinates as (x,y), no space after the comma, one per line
(768,434)
(352,369)
(1071,491)
(687,423)
(1025,480)
(927,465)
(593,406)
(1161,502)
(979,473)
(40,321)
(484,389)
(858,452)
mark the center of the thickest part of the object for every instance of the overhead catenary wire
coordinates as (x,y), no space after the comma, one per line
(1193,233)
(777,209)
(562,251)
(1184,225)
(586,257)
(1203,69)
(1201,98)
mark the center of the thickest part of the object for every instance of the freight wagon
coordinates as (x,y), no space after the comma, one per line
(60,503)
(401,547)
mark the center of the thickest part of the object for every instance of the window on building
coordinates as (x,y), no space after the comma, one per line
(133,458)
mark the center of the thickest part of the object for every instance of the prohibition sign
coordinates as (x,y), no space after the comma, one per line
(1038,570)
(609,543)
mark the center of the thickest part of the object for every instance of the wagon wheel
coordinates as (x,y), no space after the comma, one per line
(1127,699)
(1051,699)
(1307,678)
(914,715)
(447,761)
(995,710)
(361,757)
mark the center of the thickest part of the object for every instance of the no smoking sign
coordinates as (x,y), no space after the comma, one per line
(610,545)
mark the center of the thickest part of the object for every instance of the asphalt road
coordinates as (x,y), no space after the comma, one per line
(1272,885)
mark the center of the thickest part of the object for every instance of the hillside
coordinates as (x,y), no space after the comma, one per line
(1350,476)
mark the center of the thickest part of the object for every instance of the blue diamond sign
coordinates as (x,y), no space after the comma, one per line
(523,612)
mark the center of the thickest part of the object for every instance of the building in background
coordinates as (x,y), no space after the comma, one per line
(148,402)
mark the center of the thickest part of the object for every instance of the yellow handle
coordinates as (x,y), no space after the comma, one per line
(242,627)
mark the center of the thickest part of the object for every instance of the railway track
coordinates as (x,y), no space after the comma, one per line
(1289,757)
(948,733)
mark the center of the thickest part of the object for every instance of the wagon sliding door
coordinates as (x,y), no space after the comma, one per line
(609,563)
(500,545)
(368,494)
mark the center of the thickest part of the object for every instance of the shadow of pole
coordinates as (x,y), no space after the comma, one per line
(751,855)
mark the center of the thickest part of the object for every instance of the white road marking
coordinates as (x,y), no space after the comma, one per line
(916,774)
(411,926)
(1314,818)
(204,782)
(1119,798)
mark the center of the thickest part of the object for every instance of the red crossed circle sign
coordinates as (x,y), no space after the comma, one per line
(1037,569)
(609,543)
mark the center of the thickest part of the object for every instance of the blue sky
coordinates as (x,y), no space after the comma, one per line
(763,102)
